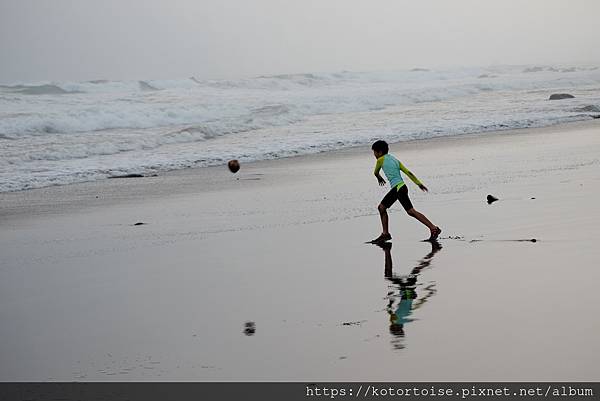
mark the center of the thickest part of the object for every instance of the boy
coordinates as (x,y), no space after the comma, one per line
(392,167)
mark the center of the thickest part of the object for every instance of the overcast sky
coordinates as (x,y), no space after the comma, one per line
(152,39)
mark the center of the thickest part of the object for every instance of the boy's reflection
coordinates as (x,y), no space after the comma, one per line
(406,299)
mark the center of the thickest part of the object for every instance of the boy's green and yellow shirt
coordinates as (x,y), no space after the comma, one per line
(391,168)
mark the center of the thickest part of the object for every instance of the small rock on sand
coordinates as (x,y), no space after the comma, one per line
(249,328)
(491,199)
(127,176)
(558,96)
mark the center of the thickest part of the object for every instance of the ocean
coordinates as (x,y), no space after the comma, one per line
(55,133)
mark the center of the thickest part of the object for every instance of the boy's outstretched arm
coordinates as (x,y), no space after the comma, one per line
(413,177)
(378,166)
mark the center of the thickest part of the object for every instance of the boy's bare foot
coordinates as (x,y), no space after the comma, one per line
(435,233)
(381,238)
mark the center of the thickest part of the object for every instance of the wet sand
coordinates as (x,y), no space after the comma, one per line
(263,275)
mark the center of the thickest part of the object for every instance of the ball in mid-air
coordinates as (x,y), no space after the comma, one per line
(233,165)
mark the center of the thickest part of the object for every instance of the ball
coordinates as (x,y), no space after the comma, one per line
(233,165)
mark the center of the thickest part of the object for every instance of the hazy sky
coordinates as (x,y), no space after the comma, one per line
(146,39)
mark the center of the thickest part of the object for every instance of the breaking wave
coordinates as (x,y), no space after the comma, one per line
(62,132)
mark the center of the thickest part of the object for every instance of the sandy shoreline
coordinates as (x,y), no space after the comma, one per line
(65,198)
(87,295)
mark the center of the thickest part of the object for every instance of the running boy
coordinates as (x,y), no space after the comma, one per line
(392,167)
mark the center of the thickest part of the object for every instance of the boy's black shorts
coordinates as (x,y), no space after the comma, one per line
(400,194)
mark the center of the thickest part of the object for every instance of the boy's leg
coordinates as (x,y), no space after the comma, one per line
(407,204)
(435,230)
(386,202)
(421,217)
(384,218)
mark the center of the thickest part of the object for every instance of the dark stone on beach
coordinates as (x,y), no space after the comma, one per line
(127,176)
(533,240)
(249,328)
(139,224)
(558,96)
(532,198)
(491,199)
(596,116)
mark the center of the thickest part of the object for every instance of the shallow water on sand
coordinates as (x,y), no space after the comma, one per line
(320,306)
(273,281)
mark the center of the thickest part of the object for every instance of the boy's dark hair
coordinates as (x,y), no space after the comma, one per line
(381,146)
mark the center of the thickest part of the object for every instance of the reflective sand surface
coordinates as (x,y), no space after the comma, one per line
(267,277)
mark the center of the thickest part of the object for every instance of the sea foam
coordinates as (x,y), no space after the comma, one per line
(62,132)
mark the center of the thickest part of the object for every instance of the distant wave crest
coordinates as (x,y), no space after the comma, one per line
(46,89)
(61,132)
